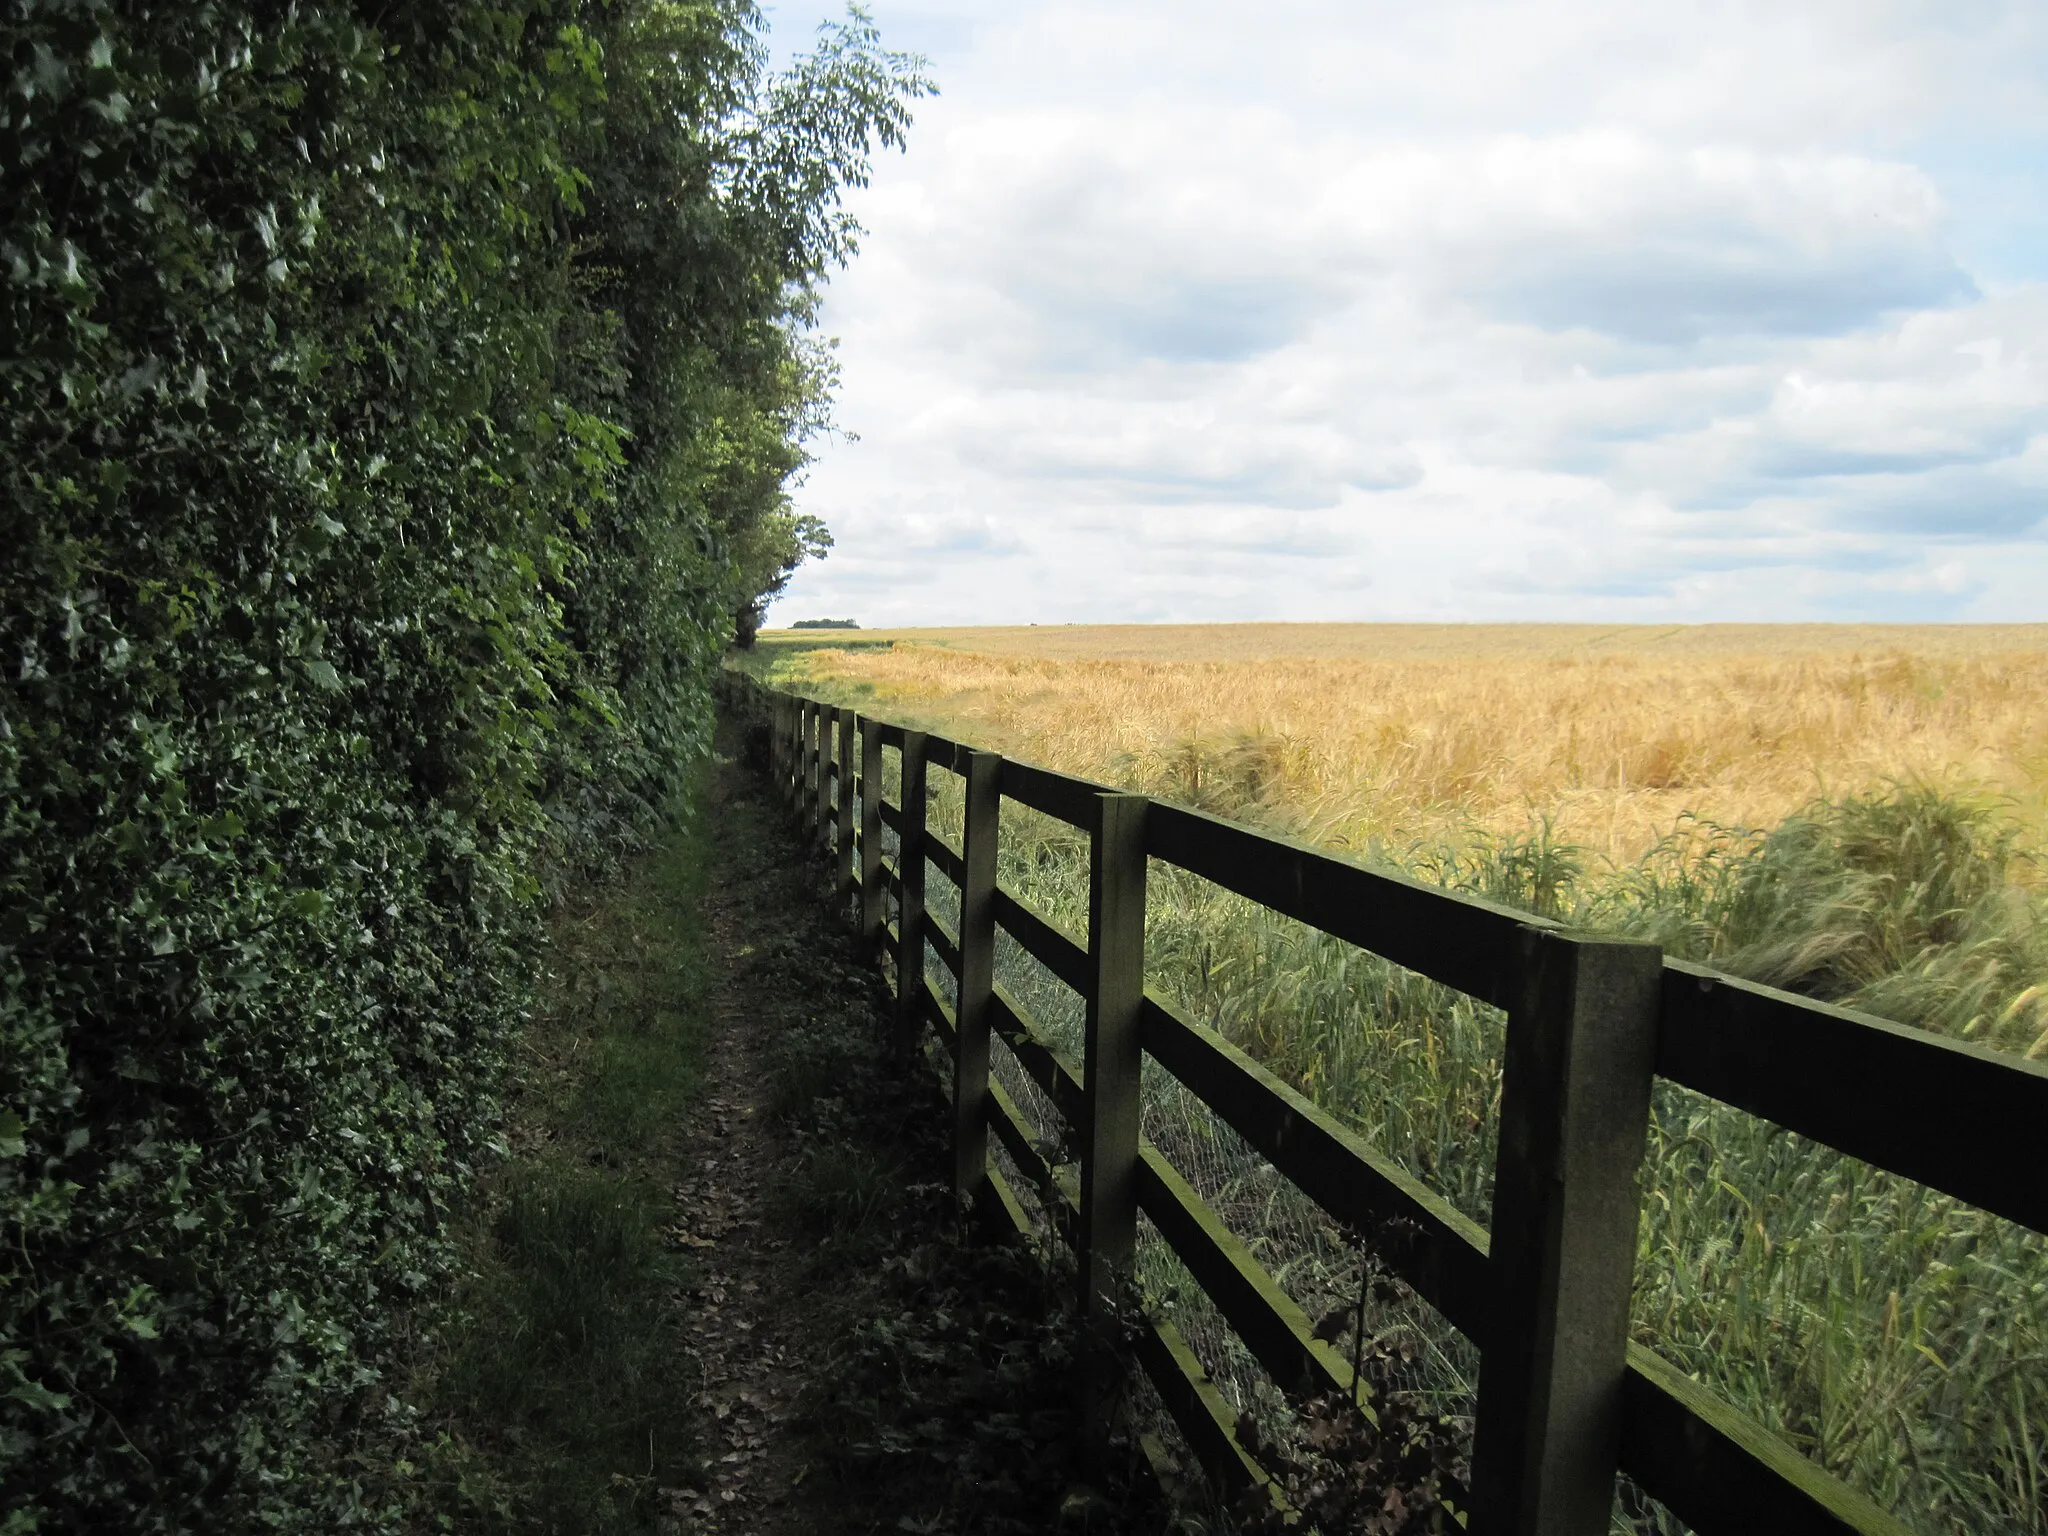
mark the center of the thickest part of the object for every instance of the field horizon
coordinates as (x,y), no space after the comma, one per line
(1613,738)
(1275,639)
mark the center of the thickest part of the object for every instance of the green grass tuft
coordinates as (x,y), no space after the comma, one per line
(567,1352)
(1916,904)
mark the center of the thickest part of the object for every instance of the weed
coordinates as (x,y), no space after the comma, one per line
(810,1063)
(1383,1461)
(845,1193)
(563,1356)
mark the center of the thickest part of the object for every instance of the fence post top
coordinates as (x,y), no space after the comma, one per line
(1580,939)
(1126,806)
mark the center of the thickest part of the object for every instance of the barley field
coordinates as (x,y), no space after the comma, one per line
(1357,733)
(1854,813)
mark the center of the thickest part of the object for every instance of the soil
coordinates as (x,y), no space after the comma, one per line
(750,1330)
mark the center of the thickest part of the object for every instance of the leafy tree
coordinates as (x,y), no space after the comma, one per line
(767,558)
(392,401)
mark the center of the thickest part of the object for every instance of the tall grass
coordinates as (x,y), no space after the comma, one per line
(1915,903)
(1898,1338)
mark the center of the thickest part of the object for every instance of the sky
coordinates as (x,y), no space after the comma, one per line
(1590,310)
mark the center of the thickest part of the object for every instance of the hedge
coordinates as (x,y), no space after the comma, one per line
(398,403)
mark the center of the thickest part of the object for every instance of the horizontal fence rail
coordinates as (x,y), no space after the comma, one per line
(1566,1401)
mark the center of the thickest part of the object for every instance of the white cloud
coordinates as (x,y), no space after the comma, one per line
(1466,310)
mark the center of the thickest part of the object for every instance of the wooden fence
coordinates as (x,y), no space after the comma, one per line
(1565,1399)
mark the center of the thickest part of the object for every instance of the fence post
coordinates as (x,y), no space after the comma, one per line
(807,804)
(984,784)
(1107,1234)
(822,814)
(807,766)
(871,903)
(1575,1101)
(785,783)
(789,753)
(910,900)
(800,779)
(845,849)
(784,731)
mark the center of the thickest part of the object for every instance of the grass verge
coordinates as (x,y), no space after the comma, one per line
(554,1380)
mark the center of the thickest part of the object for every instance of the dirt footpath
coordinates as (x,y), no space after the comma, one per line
(863,1366)
(750,1331)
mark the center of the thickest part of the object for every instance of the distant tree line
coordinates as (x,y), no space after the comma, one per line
(825,624)
(397,405)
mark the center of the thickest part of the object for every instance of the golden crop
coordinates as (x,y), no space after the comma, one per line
(1405,733)
(1849,1309)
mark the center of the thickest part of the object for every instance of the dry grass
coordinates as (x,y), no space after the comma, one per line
(1407,733)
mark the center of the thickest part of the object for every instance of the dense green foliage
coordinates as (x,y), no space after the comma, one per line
(397,405)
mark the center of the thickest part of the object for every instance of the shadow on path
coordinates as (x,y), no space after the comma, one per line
(861,1367)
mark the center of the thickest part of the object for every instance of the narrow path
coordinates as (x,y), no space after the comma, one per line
(747,1328)
(738,1332)
(861,1367)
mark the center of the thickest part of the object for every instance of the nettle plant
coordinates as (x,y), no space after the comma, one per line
(386,392)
